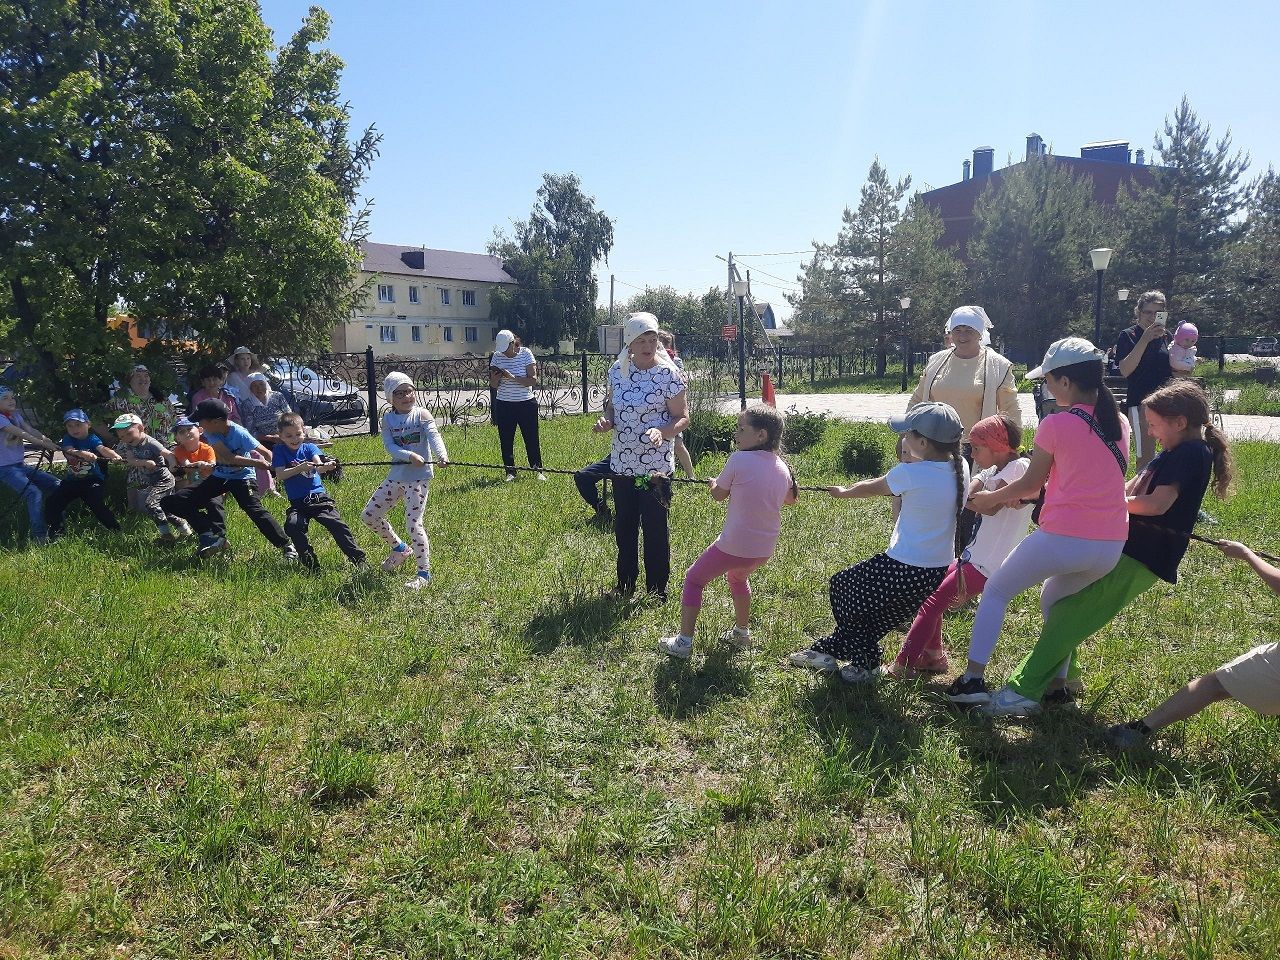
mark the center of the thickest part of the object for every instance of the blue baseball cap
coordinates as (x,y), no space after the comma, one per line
(182,423)
(77,415)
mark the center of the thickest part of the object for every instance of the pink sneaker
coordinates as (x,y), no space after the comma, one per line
(395,558)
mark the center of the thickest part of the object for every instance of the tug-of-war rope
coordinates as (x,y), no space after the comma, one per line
(642,479)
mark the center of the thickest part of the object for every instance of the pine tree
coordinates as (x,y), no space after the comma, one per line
(1176,231)
(1252,273)
(925,271)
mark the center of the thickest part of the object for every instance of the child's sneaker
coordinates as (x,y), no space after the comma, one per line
(1060,697)
(814,660)
(856,675)
(183,528)
(422,580)
(968,691)
(309,560)
(737,637)
(289,552)
(1007,702)
(678,646)
(209,545)
(1126,736)
(397,556)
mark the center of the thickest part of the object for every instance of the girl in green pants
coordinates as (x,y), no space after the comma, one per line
(1168,492)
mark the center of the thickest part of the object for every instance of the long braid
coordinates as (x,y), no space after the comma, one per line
(957,466)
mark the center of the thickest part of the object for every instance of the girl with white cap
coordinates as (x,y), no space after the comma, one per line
(971,377)
(648,409)
(513,373)
(1080,458)
(410,436)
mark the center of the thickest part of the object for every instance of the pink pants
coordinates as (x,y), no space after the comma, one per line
(922,649)
(714,563)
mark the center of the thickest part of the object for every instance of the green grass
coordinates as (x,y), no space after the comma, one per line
(238,760)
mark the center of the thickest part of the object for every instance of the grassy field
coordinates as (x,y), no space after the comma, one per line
(239,760)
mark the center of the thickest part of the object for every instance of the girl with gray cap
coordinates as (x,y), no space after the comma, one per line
(647,410)
(872,597)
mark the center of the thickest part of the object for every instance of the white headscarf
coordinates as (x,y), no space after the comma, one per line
(637,325)
(394,381)
(975,318)
(259,378)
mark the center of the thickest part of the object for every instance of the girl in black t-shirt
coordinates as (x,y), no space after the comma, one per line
(1167,495)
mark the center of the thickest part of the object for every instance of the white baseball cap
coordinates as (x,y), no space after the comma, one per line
(1064,353)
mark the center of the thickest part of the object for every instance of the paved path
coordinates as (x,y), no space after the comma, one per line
(880,406)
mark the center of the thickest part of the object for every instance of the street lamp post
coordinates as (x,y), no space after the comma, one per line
(905,304)
(740,289)
(1101,257)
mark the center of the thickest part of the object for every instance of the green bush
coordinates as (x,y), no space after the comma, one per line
(803,430)
(709,432)
(868,451)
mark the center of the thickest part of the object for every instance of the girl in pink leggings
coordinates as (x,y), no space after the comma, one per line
(757,483)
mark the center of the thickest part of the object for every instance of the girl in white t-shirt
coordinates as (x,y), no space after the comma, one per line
(995,442)
(870,598)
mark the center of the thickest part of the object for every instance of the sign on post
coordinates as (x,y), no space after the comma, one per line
(729,332)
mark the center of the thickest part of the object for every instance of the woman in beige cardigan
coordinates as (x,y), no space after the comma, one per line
(970,376)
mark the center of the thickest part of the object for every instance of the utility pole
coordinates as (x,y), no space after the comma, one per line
(728,294)
(611,299)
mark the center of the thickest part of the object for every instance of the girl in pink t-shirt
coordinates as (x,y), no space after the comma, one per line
(1082,451)
(757,483)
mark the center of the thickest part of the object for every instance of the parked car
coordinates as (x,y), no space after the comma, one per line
(318,400)
(1265,346)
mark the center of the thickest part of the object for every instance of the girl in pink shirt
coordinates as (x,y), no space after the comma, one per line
(1082,451)
(757,483)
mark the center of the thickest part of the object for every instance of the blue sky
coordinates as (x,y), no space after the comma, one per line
(704,127)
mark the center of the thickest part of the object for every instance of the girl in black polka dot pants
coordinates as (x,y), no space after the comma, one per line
(872,597)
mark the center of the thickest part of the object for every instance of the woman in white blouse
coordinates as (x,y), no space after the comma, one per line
(513,373)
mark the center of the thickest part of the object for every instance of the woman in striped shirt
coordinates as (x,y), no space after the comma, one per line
(514,373)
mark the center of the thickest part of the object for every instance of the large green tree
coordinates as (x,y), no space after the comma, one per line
(924,270)
(159,156)
(1033,228)
(1252,264)
(849,284)
(695,320)
(552,257)
(1177,231)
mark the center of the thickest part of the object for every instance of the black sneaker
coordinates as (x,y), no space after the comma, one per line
(1126,736)
(309,560)
(968,690)
(1060,697)
(208,547)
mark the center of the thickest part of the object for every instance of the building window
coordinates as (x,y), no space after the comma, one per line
(444,297)
(413,294)
(468,298)
(448,334)
(387,333)
(416,334)
(493,333)
(386,293)
(472,334)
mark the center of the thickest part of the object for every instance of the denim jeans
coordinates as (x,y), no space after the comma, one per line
(31,485)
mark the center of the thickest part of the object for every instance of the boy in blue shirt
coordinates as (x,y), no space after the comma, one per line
(84,479)
(232,445)
(298,464)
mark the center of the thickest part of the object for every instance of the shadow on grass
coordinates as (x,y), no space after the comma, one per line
(580,618)
(682,690)
(864,717)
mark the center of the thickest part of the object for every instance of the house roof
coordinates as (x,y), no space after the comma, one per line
(426,262)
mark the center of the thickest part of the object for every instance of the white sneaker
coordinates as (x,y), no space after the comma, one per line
(541,475)
(677,646)
(289,552)
(418,582)
(510,478)
(395,558)
(813,660)
(856,675)
(737,638)
(1007,702)
(183,528)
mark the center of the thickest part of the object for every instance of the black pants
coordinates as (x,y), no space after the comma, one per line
(89,489)
(197,506)
(871,598)
(321,509)
(645,507)
(509,414)
(587,478)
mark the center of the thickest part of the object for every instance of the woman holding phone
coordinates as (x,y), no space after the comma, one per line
(1142,354)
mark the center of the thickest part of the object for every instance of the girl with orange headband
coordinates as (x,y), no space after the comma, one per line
(995,442)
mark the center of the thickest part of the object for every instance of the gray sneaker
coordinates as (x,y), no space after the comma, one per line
(1125,736)
(208,547)
(676,646)
(289,552)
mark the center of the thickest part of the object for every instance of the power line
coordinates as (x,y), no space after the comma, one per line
(781,253)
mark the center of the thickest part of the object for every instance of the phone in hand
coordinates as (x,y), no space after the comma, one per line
(1162,317)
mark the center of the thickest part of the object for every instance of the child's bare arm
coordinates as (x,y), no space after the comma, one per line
(1155,503)
(1269,574)
(879,487)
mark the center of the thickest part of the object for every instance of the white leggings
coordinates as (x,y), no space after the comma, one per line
(388,494)
(1065,565)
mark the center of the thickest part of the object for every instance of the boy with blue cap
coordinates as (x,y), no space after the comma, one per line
(84,479)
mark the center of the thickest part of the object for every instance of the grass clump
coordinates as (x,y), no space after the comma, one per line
(868,450)
(804,430)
